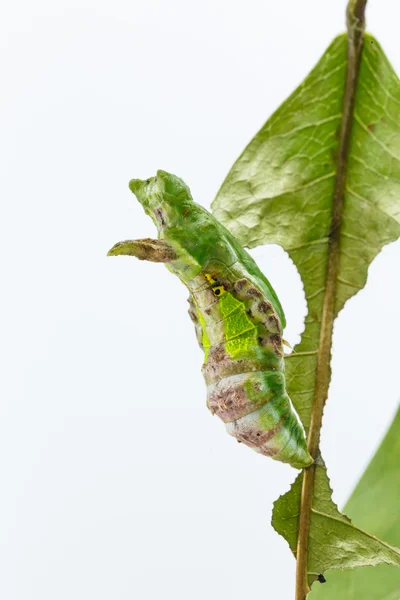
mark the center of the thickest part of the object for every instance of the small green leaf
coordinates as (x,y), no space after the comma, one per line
(375,506)
(335,542)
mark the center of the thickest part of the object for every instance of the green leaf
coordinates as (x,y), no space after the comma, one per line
(281,188)
(374,505)
(284,189)
(334,541)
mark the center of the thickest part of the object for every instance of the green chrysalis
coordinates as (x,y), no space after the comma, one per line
(236,313)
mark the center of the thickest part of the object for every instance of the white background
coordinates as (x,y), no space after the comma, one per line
(116,483)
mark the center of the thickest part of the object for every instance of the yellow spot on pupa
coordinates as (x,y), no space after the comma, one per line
(218,290)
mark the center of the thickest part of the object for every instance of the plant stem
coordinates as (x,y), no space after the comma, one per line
(355,29)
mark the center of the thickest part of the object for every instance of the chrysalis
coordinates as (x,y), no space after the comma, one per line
(237,317)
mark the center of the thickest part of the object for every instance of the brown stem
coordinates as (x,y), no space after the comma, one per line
(355,29)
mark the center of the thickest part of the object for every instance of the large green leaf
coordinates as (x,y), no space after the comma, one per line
(281,190)
(375,506)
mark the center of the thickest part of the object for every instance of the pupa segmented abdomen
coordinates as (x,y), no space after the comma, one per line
(240,333)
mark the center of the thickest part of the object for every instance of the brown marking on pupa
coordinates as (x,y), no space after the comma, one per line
(192,310)
(225,283)
(198,328)
(264,306)
(193,315)
(273,323)
(254,293)
(240,284)
(257,386)
(217,354)
(371,127)
(228,399)
(219,365)
(276,341)
(252,436)
(267,450)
